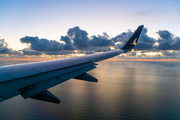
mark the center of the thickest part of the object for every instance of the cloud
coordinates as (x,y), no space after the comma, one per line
(79,37)
(76,39)
(58,52)
(168,41)
(144,43)
(145,38)
(122,37)
(4,48)
(164,34)
(176,44)
(68,43)
(77,42)
(31,52)
(144,46)
(42,44)
(101,40)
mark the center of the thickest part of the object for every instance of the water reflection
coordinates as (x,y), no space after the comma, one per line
(125,90)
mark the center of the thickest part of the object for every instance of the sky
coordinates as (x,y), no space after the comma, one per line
(29,27)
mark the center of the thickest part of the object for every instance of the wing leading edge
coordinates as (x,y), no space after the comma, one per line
(32,80)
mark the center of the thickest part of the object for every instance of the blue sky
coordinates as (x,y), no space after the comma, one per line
(52,18)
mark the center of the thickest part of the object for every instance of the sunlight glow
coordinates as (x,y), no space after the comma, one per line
(156,44)
(138,53)
(80,54)
(153,54)
(112,48)
(150,54)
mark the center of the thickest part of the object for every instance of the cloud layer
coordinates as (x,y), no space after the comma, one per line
(77,41)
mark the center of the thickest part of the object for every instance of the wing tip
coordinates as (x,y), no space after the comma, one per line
(131,43)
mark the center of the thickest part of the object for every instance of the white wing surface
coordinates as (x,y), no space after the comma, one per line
(32,80)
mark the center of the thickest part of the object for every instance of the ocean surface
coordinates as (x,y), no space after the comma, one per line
(125,90)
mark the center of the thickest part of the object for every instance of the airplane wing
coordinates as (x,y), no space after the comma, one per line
(31,80)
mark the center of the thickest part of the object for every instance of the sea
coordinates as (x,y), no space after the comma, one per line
(132,90)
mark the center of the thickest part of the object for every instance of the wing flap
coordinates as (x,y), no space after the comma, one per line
(86,77)
(48,75)
(46,96)
(7,92)
(40,87)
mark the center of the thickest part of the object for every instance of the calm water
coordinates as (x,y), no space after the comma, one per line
(125,90)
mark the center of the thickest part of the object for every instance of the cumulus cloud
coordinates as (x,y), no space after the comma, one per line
(68,43)
(101,40)
(4,48)
(123,36)
(164,34)
(79,37)
(146,54)
(28,51)
(167,41)
(59,52)
(42,44)
(144,43)
(144,38)
(77,41)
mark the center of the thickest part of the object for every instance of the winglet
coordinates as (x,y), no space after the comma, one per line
(131,43)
